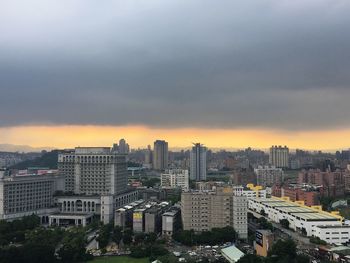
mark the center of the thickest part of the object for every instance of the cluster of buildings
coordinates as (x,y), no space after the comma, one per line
(90,182)
(158,159)
(309,195)
(330,184)
(149,217)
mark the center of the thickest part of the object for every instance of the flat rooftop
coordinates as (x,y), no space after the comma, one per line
(280,204)
(295,209)
(315,216)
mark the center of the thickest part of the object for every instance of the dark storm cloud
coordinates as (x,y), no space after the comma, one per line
(223,64)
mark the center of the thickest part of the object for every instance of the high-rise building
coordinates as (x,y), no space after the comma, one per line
(148,158)
(204,210)
(268,175)
(198,160)
(160,155)
(93,170)
(123,146)
(279,156)
(175,178)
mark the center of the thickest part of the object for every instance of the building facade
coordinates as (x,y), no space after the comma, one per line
(333,184)
(103,206)
(198,162)
(175,178)
(160,155)
(279,156)
(93,170)
(310,221)
(204,210)
(27,194)
(268,176)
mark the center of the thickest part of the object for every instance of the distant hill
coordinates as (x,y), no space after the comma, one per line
(22,148)
(48,159)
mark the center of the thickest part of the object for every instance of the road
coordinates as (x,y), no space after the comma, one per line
(93,243)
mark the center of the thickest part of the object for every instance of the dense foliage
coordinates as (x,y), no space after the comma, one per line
(14,232)
(25,241)
(213,237)
(48,159)
(284,223)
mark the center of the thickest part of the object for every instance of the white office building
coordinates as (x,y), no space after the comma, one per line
(311,221)
(93,170)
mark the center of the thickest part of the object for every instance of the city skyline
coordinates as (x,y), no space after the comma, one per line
(140,136)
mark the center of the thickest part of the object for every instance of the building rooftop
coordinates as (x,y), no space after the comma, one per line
(295,209)
(232,253)
(315,216)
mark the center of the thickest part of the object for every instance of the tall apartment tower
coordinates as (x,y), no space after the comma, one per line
(198,162)
(160,155)
(123,146)
(279,156)
(204,210)
(93,170)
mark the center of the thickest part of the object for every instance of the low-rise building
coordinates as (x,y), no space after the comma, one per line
(309,221)
(170,222)
(124,215)
(333,234)
(102,206)
(147,218)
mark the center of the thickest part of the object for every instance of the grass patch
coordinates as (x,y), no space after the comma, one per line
(119,259)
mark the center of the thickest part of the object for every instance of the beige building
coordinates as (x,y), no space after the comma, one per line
(279,156)
(204,210)
(175,178)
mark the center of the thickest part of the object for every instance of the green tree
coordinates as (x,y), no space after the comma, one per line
(249,258)
(117,235)
(284,223)
(73,247)
(127,236)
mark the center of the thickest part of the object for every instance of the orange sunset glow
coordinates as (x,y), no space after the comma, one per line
(140,136)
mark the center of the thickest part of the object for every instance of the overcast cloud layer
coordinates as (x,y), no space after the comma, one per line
(281,64)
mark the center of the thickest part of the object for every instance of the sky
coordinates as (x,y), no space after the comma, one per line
(226,73)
